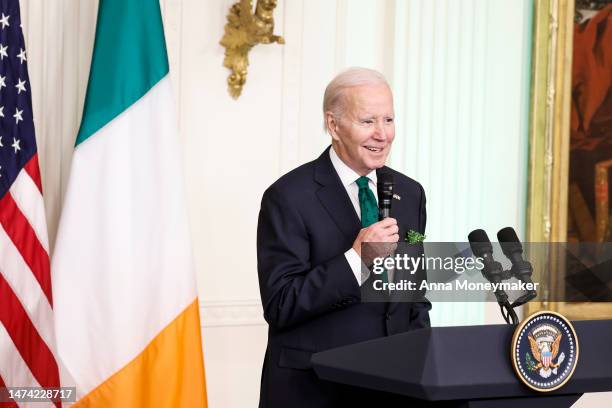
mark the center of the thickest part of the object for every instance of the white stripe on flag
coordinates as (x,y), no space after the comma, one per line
(27,289)
(30,202)
(14,370)
(123,244)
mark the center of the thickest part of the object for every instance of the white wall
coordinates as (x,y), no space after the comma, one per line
(459,71)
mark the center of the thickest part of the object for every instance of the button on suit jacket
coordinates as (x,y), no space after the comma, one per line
(310,296)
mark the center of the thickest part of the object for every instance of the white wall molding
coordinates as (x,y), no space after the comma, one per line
(222,313)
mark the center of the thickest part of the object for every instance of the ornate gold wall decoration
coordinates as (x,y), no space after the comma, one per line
(549,137)
(244,30)
(547,210)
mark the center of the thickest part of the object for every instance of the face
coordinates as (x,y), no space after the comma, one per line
(362,136)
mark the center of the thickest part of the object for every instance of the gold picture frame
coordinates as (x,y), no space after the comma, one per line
(549,137)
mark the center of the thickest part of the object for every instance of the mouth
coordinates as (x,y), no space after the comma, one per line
(374,149)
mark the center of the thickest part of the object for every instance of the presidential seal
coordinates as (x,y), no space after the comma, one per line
(545,351)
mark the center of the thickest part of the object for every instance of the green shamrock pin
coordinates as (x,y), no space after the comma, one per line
(414,237)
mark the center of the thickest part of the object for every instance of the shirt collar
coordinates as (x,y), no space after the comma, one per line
(347,175)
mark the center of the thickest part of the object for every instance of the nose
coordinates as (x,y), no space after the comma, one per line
(380,132)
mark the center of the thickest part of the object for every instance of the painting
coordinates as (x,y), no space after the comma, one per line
(570,157)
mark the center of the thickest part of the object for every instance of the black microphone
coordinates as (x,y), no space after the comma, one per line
(492,271)
(384,187)
(521,269)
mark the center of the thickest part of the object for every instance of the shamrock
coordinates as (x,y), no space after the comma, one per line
(414,237)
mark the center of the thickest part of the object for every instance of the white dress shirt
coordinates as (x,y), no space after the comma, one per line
(349,177)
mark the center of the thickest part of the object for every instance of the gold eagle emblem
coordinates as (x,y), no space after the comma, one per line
(544,341)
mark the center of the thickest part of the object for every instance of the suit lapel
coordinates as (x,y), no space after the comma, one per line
(334,198)
(336,201)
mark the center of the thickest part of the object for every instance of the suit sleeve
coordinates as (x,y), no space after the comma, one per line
(293,290)
(422,212)
(419,314)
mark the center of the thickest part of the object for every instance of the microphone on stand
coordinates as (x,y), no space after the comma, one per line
(521,269)
(492,271)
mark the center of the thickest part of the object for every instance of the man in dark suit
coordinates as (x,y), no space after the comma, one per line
(312,223)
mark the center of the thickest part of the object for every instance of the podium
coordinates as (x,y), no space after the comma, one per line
(467,366)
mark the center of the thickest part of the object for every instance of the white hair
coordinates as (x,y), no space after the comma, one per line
(334,97)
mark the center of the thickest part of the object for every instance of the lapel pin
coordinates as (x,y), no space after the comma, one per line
(397,197)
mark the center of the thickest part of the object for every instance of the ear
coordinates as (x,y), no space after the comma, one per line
(332,125)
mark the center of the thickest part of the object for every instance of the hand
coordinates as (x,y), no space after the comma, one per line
(385,231)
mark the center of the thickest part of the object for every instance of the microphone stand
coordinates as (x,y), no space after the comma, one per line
(494,272)
(507,308)
(508,313)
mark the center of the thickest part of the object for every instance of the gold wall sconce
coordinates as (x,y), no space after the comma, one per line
(244,30)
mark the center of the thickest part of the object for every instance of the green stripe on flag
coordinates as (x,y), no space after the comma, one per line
(129,58)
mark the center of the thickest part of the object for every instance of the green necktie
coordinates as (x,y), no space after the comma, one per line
(369,209)
(367,203)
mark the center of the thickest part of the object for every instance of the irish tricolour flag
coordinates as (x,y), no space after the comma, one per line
(126,308)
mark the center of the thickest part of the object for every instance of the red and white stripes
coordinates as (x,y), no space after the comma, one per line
(27,340)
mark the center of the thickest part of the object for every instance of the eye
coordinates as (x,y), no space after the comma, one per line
(389,120)
(367,121)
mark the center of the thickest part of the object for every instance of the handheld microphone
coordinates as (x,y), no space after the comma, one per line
(384,186)
(492,271)
(521,269)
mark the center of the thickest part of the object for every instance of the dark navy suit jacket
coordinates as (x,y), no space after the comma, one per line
(310,296)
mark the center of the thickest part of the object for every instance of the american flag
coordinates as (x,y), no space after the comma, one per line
(546,358)
(26,303)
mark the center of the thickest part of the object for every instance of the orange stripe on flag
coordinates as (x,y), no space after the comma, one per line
(168,373)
